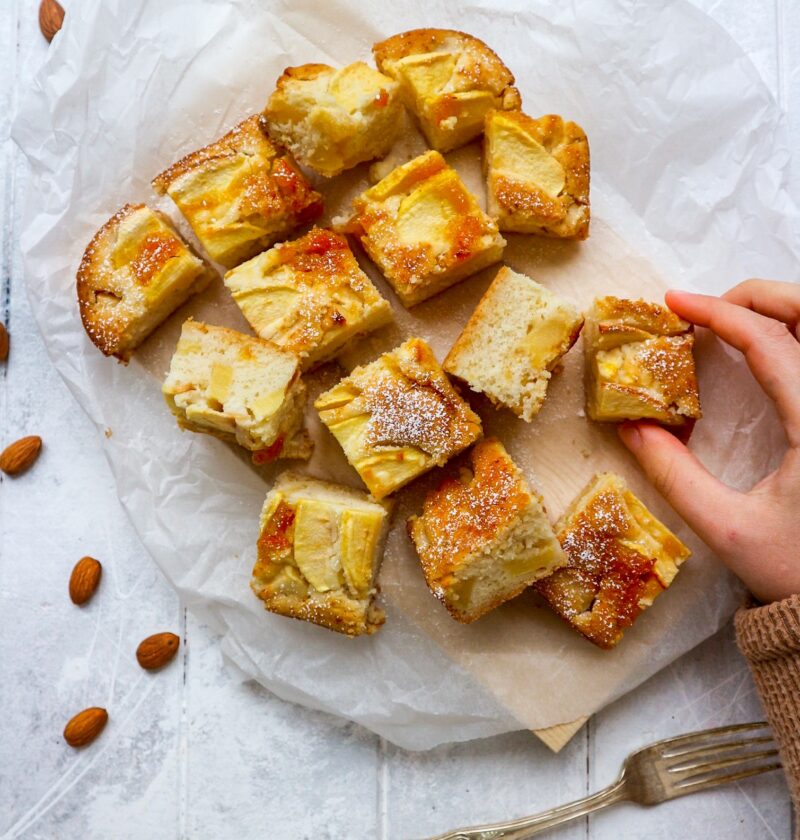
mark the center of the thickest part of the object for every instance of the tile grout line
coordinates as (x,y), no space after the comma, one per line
(382,815)
(183,739)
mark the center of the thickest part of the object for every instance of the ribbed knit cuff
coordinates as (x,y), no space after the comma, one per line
(769,637)
(770,632)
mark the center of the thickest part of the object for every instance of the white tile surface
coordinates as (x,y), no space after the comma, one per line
(191,753)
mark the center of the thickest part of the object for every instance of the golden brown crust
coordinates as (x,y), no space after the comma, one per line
(246,177)
(303,73)
(492,73)
(640,314)
(440,254)
(112,292)
(461,516)
(524,207)
(449,80)
(640,363)
(613,573)
(324,298)
(294,596)
(398,417)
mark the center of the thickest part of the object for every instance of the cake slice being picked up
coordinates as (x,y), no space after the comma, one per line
(484,536)
(639,363)
(319,551)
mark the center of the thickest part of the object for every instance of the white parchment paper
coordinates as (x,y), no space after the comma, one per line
(688,189)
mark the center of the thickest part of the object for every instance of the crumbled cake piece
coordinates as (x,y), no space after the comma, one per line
(135,272)
(639,363)
(398,417)
(308,296)
(424,229)
(513,341)
(484,536)
(319,552)
(537,174)
(449,80)
(240,194)
(620,559)
(332,120)
(238,388)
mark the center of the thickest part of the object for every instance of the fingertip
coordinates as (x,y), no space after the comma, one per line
(630,435)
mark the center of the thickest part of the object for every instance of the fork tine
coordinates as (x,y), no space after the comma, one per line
(706,735)
(712,750)
(700,768)
(722,779)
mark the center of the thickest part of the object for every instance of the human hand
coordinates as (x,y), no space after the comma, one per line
(757,533)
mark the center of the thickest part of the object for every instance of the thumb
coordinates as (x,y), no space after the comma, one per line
(704,502)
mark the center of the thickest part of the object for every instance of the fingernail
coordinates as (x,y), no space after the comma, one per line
(630,434)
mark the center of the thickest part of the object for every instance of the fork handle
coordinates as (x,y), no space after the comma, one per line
(526,827)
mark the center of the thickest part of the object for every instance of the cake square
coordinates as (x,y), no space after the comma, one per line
(240,389)
(308,296)
(240,194)
(639,363)
(448,80)
(332,120)
(620,559)
(398,417)
(319,552)
(513,341)
(424,229)
(135,272)
(537,174)
(484,536)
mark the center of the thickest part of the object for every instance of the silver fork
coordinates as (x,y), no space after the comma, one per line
(664,770)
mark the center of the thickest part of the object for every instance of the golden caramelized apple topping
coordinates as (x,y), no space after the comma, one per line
(424,229)
(639,363)
(465,513)
(397,417)
(449,80)
(620,558)
(319,553)
(241,193)
(308,295)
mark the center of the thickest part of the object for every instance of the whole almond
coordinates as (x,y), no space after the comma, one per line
(84,580)
(85,726)
(155,651)
(3,342)
(18,456)
(51,18)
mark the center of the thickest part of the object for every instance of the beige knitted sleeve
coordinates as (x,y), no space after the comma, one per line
(769,637)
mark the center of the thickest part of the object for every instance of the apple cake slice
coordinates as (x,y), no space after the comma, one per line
(620,559)
(241,193)
(448,80)
(639,363)
(319,552)
(537,174)
(308,296)
(238,388)
(332,120)
(134,274)
(398,417)
(484,536)
(424,229)
(513,342)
